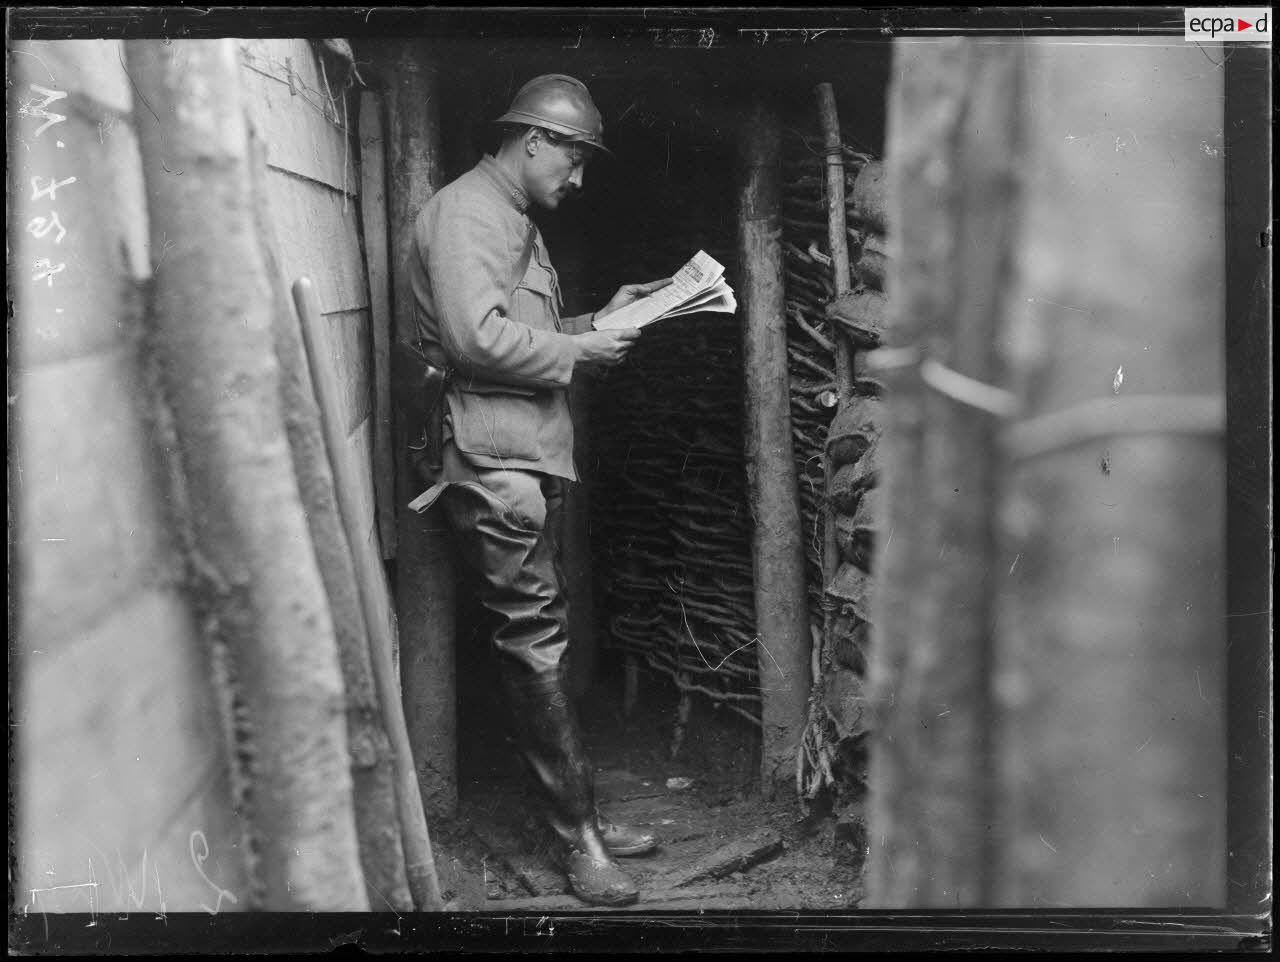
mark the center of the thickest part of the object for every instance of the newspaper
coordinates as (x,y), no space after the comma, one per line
(698,286)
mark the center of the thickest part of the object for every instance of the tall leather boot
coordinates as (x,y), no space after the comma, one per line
(550,741)
(521,586)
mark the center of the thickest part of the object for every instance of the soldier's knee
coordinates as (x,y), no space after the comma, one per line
(521,492)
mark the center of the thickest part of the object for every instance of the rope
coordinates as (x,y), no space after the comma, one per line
(966,390)
(1109,417)
(1081,423)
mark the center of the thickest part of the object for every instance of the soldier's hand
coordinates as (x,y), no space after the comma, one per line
(605,348)
(628,293)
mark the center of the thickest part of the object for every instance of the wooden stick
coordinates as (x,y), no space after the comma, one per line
(375,599)
(836,234)
(836,229)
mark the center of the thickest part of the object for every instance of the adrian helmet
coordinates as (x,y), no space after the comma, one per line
(560,104)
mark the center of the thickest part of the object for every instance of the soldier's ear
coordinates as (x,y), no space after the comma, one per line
(533,140)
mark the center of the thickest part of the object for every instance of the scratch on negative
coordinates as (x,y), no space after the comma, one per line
(1048,846)
(1198,688)
(772,659)
(1065,307)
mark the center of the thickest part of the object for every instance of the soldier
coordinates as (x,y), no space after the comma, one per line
(487,306)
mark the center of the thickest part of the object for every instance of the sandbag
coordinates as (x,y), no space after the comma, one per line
(870,199)
(862,315)
(853,430)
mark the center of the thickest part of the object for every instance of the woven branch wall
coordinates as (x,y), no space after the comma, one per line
(671,523)
(670,520)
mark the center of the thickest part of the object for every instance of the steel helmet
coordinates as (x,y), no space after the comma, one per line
(558,103)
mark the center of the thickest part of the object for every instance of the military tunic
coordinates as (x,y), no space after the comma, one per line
(514,358)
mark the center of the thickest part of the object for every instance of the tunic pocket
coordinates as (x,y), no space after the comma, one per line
(533,301)
(494,424)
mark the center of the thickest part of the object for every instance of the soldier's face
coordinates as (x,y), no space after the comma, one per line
(555,170)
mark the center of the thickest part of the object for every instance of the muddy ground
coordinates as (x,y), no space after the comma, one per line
(724,845)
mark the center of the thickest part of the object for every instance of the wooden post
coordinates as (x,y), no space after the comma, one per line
(425,566)
(373,217)
(930,812)
(212,313)
(778,551)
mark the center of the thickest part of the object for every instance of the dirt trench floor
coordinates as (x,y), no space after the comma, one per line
(723,845)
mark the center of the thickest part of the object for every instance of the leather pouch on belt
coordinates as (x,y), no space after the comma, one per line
(417,388)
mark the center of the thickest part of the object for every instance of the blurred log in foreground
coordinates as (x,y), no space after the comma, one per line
(1049,642)
(214,346)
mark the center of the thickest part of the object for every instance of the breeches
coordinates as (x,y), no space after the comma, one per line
(504,522)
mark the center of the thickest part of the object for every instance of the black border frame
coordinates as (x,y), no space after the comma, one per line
(1242,925)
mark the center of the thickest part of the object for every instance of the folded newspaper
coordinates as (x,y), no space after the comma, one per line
(698,286)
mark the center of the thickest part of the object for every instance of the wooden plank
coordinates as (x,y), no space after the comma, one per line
(376,601)
(300,138)
(277,57)
(348,340)
(373,214)
(318,237)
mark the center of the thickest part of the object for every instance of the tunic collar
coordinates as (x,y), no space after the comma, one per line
(508,187)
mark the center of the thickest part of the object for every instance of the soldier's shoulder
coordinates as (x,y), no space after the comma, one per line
(471,194)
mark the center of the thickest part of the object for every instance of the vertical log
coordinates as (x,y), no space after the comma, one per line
(425,589)
(373,218)
(1112,641)
(213,336)
(953,151)
(778,552)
